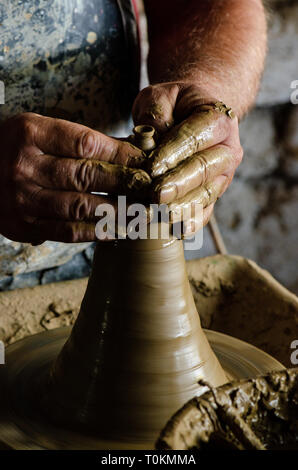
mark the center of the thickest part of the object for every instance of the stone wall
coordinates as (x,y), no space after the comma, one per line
(258,215)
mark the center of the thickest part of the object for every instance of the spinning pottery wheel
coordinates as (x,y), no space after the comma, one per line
(134,356)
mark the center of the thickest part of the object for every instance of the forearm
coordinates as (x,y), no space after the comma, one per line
(219,45)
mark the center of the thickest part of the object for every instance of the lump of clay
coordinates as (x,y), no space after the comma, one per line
(259,413)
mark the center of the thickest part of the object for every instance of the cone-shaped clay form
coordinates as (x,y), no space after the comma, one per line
(137,349)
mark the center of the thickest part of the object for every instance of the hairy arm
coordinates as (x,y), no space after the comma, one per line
(218,45)
(202,53)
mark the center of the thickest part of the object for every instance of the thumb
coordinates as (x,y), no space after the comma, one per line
(155,106)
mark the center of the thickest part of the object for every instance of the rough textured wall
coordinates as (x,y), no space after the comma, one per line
(258,214)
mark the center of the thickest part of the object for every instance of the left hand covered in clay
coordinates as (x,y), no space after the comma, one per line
(198,148)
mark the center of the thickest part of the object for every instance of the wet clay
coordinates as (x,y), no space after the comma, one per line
(137,350)
(228,291)
(24,425)
(255,414)
(192,135)
(144,137)
(128,179)
(204,196)
(191,173)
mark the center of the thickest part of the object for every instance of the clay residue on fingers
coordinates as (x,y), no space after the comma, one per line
(192,135)
(128,179)
(204,196)
(155,111)
(191,173)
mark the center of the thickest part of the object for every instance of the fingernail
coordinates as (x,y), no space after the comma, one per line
(215,189)
(168,193)
(222,186)
(158,169)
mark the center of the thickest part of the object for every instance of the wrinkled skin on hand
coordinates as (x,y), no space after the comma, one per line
(49,167)
(198,149)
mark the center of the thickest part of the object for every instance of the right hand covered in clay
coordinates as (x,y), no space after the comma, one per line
(50,167)
(198,149)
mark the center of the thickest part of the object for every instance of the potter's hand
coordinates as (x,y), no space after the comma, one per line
(49,167)
(199,148)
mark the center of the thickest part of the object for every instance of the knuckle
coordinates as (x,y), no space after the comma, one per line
(75,232)
(84,175)
(63,232)
(79,209)
(155,92)
(16,170)
(148,94)
(233,128)
(238,156)
(70,234)
(148,91)
(234,123)
(19,168)
(19,200)
(87,144)
(143,96)
(26,125)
